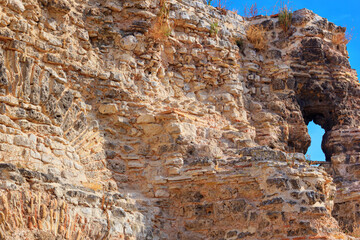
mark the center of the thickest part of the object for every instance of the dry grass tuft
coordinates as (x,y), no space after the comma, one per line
(256,35)
(222,6)
(162,29)
(341,38)
(356,232)
(251,12)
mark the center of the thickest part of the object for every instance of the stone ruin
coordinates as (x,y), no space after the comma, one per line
(109,130)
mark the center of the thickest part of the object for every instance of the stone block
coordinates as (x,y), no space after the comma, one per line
(19,26)
(162,193)
(6,34)
(128,43)
(83,34)
(16,5)
(17,45)
(147,118)
(108,108)
(52,58)
(22,141)
(152,129)
(46,158)
(121,121)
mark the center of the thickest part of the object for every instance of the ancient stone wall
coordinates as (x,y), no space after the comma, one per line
(160,120)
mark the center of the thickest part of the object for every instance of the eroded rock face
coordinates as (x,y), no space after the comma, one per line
(114,127)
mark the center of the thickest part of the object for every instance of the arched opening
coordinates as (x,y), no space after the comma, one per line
(321,114)
(315,151)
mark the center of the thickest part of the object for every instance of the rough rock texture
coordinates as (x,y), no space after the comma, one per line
(113,129)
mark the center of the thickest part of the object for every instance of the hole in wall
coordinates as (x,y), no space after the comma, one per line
(314,152)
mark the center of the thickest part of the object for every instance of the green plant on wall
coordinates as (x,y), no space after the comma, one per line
(209,2)
(214,28)
(285,18)
(167,31)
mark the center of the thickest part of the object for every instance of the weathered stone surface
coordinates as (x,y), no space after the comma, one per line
(145,119)
(16,5)
(108,108)
(128,42)
(112,129)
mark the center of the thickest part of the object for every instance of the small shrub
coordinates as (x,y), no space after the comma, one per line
(341,38)
(160,31)
(162,28)
(164,9)
(223,11)
(214,28)
(221,4)
(356,232)
(251,12)
(166,30)
(285,18)
(256,35)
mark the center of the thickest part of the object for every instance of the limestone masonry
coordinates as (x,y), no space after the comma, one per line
(115,125)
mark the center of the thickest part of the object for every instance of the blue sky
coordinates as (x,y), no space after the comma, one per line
(343,13)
